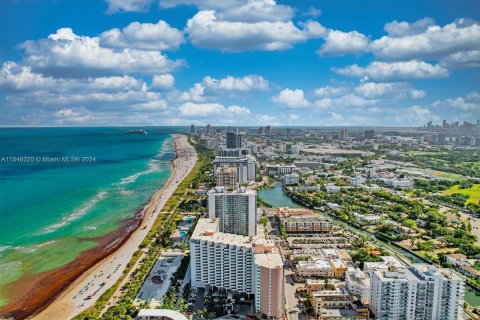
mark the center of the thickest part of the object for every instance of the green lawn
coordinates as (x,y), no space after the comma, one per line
(446,175)
(473,193)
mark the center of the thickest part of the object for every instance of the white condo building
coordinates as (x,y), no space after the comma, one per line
(238,263)
(421,292)
(236,210)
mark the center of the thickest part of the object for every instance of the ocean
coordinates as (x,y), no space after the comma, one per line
(62,188)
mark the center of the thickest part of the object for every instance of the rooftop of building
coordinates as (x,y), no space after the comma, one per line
(388,261)
(287,210)
(232,170)
(338,263)
(340,313)
(224,190)
(164,313)
(358,277)
(337,294)
(315,264)
(395,274)
(306,218)
(269,260)
(207,229)
(430,271)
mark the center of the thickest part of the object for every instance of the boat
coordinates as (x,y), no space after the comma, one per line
(137,132)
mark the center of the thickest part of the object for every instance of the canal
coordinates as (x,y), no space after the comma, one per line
(277,198)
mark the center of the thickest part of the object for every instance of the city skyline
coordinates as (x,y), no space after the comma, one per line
(240,63)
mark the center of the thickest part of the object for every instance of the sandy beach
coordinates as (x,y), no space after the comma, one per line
(101,275)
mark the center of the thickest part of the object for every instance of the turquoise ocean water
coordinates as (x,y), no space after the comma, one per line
(73,185)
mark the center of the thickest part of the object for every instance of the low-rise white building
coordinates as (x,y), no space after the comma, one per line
(295,149)
(291,178)
(315,268)
(369,219)
(331,188)
(357,181)
(358,283)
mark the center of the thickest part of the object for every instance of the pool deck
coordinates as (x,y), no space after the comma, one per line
(166,265)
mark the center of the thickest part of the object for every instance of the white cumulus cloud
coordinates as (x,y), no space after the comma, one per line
(143,36)
(341,43)
(241,84)
(205,30)
(435,42)
(403,28)
(469,103)
(210,109)
(162,82)
(128,5)
(65,54)
(292,98)
(394,71)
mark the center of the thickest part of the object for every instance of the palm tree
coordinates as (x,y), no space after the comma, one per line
(328,285)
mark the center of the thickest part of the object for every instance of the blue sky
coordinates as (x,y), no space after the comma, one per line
(238,62)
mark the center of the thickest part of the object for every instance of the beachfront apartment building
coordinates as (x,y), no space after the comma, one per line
(421,292)
(235,209)
(227,177)
(237,263)
(246,164)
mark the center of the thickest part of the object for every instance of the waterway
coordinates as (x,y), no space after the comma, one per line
(277,198)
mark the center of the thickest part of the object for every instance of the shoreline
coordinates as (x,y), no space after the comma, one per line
(54,294)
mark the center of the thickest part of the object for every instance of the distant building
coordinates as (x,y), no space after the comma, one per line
(343,134)
(307,164)
(395,183)
(234,140)
(291,178)
(369,134)
(286,169)
(192,129)
(236,210)
(368,219)
(238,152)
(209,129)
(295,149)
(357,181)
(331,188)
(268,130)
(456,258)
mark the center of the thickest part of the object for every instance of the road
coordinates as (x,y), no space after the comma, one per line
(292,304)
